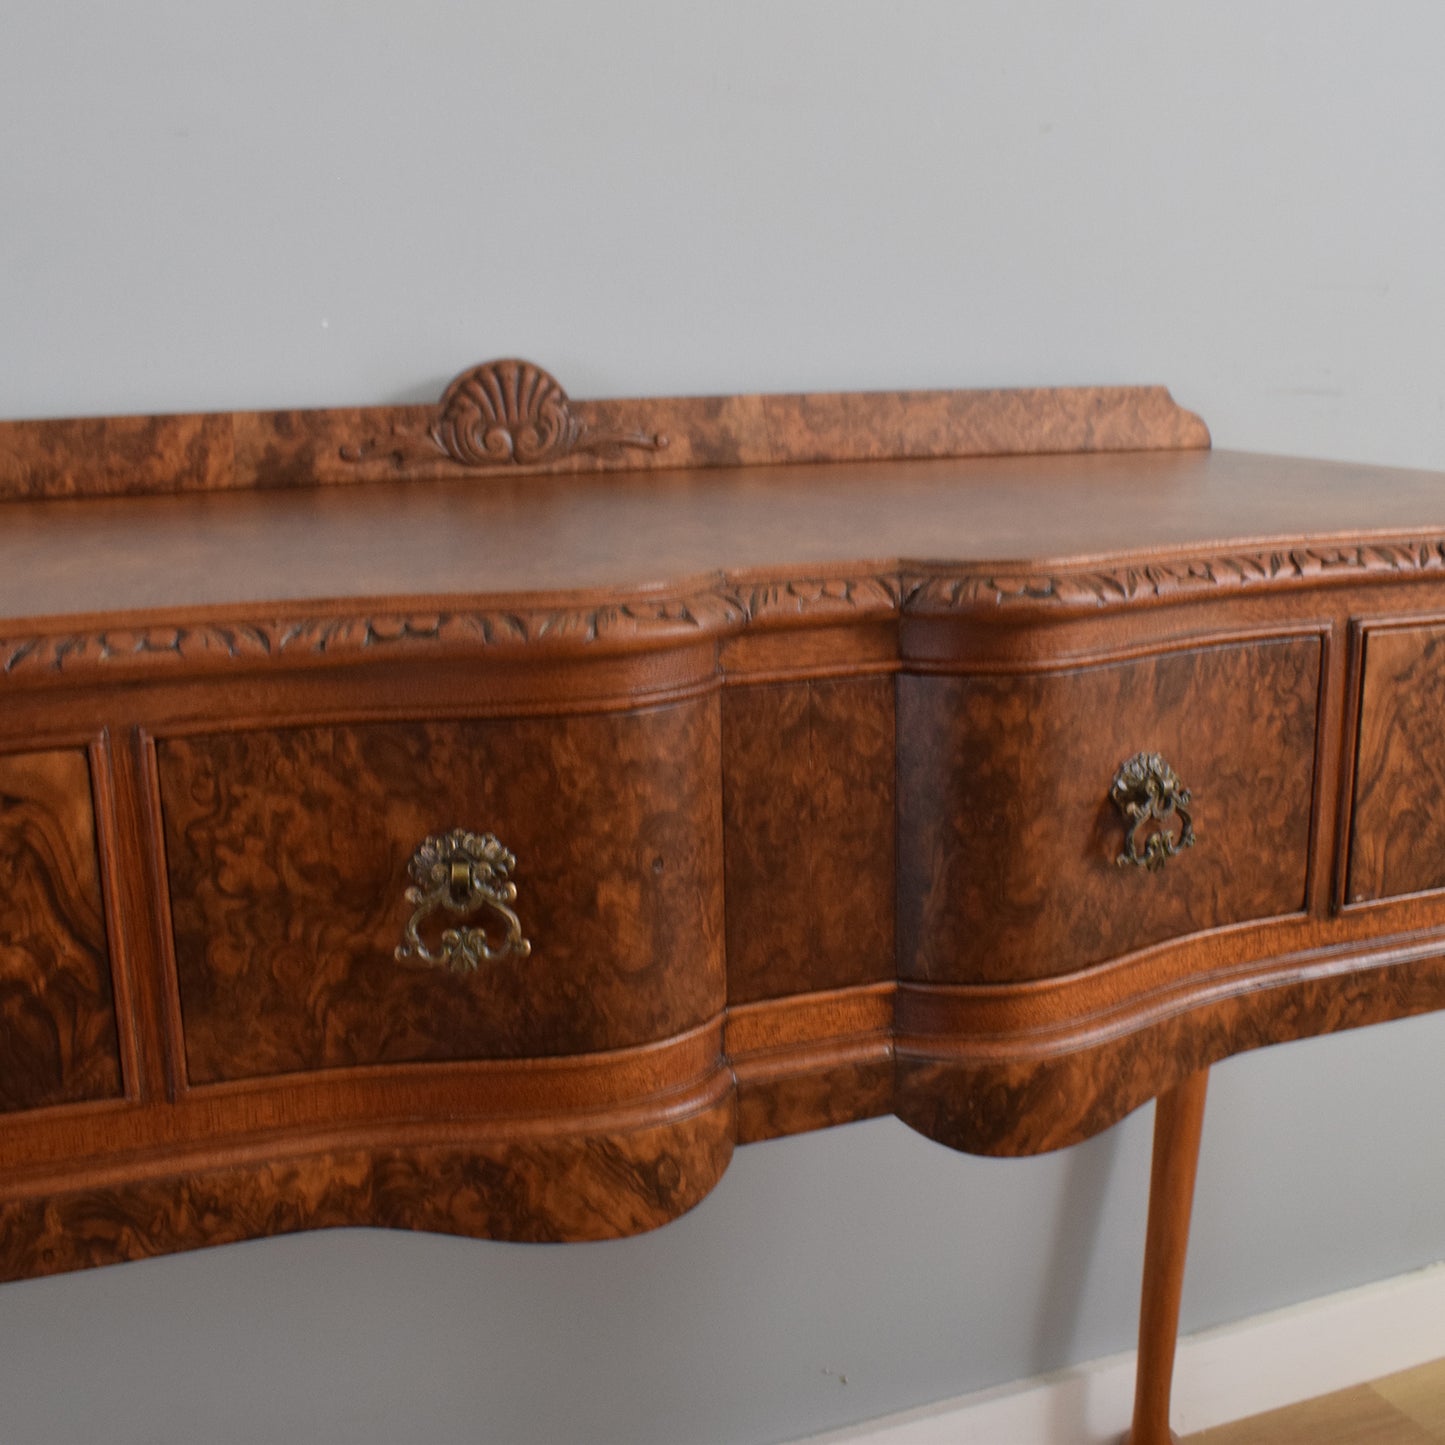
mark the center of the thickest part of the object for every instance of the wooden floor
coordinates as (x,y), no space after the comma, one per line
(1404,1409)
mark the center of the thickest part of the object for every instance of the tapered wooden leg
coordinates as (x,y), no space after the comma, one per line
(1178,1121)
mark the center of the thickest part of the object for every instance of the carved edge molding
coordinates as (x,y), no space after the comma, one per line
(262,640)
(1173,579)
(660,620)
(728,605)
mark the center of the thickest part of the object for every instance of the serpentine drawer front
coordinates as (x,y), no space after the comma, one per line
(1011,869)
(288,855)
(482,817)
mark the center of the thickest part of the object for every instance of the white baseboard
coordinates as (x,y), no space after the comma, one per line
(1220,1375)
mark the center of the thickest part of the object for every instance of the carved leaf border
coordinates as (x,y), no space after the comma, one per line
(1148,581)
(729,605)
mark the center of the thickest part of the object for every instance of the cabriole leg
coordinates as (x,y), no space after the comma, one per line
(1178,1120)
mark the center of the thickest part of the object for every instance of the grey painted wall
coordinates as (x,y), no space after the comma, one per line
(300,203)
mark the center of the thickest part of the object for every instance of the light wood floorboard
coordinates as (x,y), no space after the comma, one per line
(1403,1409)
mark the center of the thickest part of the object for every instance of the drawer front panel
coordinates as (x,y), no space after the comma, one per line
(57,1015)
(1397,842)
(288,857)
(1010,839)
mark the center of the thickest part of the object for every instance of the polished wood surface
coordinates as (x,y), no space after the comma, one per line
(1007,1071)
(811,1061)
(511,416)
(808,836)
(803,727)
(1398,840)
(288,853)
(1403,1409)
(1178,1124)
(611,1178)
(1044,533)
(1009,869)
(58,1039)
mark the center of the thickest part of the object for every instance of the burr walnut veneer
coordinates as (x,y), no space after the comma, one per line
(483,817)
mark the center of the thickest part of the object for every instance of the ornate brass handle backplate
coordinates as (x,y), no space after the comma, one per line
(1150,795)
(463,873)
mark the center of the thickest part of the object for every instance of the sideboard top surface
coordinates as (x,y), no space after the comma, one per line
(507,490)
(634,531)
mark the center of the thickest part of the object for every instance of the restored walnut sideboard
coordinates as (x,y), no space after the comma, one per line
(483,817)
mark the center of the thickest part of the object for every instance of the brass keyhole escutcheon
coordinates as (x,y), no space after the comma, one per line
(1150,795)
(463,873)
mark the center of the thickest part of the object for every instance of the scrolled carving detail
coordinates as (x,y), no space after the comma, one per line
(462,872)
(1149,793)
(512,413)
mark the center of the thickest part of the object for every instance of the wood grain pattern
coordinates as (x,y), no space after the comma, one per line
(57,1020)
(1363,1415)
(877,703)
(524,629)
(1027,1090)
(1419,1395)
(438,632)
(570,1184)
(1398,837)
(117,455)
(1008,868)
(808,840)
(1178,1124)
(636,619)
(812,1060)
(620,620)
(291,449)
(814,1089)
(1163,579)
(287,854)
(512,415)
(567,545)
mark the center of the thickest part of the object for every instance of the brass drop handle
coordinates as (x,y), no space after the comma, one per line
(463,873)
(1148,792)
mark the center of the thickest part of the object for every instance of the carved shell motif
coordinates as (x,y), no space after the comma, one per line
(512,413)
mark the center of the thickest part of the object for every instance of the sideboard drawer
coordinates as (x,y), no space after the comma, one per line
(1397,843)
(57,1016)
(1010,868)
(289,852)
